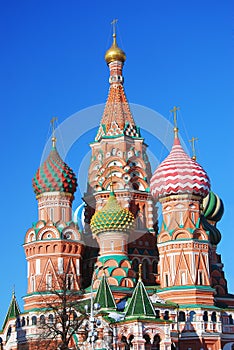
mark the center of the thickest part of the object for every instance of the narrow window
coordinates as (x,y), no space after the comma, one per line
(49,281)
(200,278)
(168,219)
(193,217)
(32,283)
(183,278)
(52,214)
(166,280)
(69,281)
(63,214)
(181,219)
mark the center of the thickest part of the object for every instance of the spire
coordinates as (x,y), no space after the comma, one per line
(13,310)
(53,120)
(140,303)
(174,111)
(194,157)
(117,119)
(104,296)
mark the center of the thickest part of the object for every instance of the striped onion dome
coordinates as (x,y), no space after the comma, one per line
(54,175)
(179,174)
(213,207)
(112,217)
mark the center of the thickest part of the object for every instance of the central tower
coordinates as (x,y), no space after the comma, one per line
(119,159)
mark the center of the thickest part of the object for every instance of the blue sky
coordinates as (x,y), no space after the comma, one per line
(51,64)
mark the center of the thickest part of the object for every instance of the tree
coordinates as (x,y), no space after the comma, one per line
(63,315)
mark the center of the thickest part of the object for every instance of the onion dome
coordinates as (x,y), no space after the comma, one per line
(112,217)
(54,175)
(213,207)
(179,174)
(114,53)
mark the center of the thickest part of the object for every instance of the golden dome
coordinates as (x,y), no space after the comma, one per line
(114,53)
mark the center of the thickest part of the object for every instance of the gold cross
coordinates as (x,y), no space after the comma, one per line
(194,157)
(53,120)
(174,110)
(114,22)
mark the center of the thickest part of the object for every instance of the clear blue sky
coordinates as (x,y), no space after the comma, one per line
(51,64)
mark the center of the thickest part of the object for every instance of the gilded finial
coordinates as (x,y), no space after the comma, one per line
(174,110)
(194,157)
(53,120)
(139,272)
(114,53)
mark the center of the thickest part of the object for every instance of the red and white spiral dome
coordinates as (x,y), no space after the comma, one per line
(179,174)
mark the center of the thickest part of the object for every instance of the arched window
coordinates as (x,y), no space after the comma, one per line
(145,269)
(157,313)
(147,341)
(230,319)
(156,342)
(135,265)
(155,267)
(42,319)
(23,322)
(213,317)
(166,315)
(192,316)
(205,316)
(34,320)
(51,318)
(181,317)
(17,323)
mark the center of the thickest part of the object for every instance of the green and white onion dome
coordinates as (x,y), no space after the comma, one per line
(213,207)
(112,217)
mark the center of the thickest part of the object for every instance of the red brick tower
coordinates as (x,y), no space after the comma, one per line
(119,157)
(185,246)
(53,245)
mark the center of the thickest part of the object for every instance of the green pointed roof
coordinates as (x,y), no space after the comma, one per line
(104,296)
(13,310)
(140,303)
(112,217)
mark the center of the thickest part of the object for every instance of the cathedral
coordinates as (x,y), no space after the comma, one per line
(132,283)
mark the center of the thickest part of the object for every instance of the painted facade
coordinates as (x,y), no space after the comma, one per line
(157,288)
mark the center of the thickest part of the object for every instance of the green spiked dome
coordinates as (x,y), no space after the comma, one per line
(112,217)
(213,207)
(54,175)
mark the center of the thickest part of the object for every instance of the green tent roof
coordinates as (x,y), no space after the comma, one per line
(13,310)
(140,303)
(104,296)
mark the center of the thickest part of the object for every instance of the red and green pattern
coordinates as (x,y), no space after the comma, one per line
(54,175)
